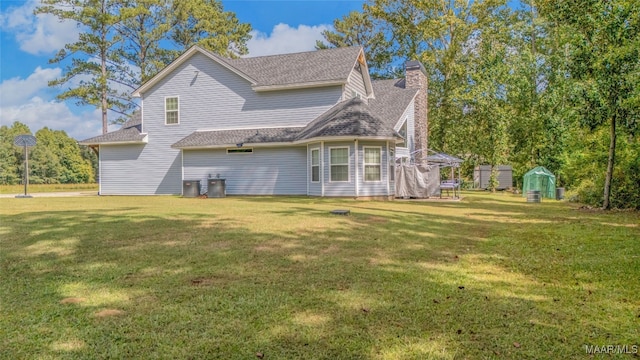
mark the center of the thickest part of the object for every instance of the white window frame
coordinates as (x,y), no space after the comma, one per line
(177,111)
(348,164)
(316,165)
(391,154)
(365,164)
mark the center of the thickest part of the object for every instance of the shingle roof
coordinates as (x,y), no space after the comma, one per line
(129,132)
(233,137)
(298,68)
(348,118)
(391,99)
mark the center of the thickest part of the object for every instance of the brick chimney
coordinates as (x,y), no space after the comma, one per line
(416,78)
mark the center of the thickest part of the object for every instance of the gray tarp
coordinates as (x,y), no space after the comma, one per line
(415,181)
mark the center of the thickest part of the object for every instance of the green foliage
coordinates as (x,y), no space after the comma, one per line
(56,158)
(132,40)
(528,85)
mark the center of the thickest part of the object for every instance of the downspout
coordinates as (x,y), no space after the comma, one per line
(99,171)
(388,171)
(182,167)
(308,169)
(322,168)
(357,166)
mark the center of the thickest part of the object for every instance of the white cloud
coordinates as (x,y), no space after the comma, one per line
(38,113)
(16,90)
(39,34)
(285,39)
(27,101)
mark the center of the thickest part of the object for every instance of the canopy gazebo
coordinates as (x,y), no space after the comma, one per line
(443,160)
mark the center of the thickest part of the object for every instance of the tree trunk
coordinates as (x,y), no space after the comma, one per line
(606,204)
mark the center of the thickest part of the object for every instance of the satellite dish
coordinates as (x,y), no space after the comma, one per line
(24,140)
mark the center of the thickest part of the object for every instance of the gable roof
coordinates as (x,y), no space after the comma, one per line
(328,66)
(275,72)
(391,100)
(129,132)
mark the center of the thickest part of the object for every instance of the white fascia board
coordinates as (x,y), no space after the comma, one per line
(347,138)
(179,61)
(365,74)
(235,146)
(262,88)
(144,140)
(399,122)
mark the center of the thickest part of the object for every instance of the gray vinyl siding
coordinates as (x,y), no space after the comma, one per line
(266,171)
(373,188)
(210,97)
(315,188)
(339,188)
(408,116)
(355,83)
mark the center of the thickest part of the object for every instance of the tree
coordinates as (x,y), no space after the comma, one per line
(359,29)
(11,156)
(604,46)
(205,23)
(95,62)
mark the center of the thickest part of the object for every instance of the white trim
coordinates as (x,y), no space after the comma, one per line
(364,164)
(388,168)
(311,84)
(144,140)
(308,182)
(322,168)
(225,146)
(179,61)
(142,115)
(348,164)
(251,128)
(364,69)
(310,165)
(177,97)
(182,184)
(99,170)
(357,187)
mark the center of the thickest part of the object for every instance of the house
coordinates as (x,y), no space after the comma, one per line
(311,123)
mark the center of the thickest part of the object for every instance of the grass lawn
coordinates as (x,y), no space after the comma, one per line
(38,188)
(280,278)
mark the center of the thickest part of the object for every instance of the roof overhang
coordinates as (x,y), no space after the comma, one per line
(180,60)
(144,140)
(263,88)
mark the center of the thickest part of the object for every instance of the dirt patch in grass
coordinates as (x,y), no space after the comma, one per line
(72,300)
(109,313)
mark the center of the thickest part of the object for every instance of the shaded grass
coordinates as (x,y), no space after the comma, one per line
(39,188)
(166,277)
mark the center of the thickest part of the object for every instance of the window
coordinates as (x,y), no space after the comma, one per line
(315,165)
(392,164)
(240,151)
(372,162)
(339,163)
(171,107)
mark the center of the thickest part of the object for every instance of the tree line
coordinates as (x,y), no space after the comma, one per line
(541,82)
(56,158)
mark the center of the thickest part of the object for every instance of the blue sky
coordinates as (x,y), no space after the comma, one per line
(27,42)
